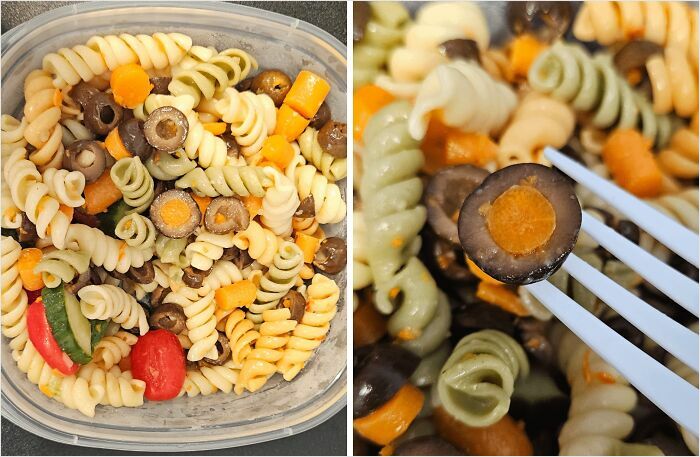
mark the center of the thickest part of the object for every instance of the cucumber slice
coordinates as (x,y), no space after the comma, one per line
(99,328)
(68,325)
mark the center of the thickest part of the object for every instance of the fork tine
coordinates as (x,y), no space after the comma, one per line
(667,390)
(665,230)
(669,334)
(678,287)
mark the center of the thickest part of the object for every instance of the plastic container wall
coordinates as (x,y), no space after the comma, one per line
(221,420)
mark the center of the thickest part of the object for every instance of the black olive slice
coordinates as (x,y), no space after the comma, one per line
(223,349)
(461,48)
(307,208)
(226,214)
(274,83)
(426,445)
(82,92)
(144,274)
(241,258)
(166,128)
(169,317)
(102,113)
(245,84)
(160,84)
(27,230)
(472,317)
(81,217)
(86,156)
(175,213)
(445,195)
(447,258)
(521,223)
(322,116)
(629,230)
(331,256)
(296,303)
(380,375)
(82,280)
(133,139)
(634,55)
(194,277)
(157,296)
(333,138)
(546,20)
(232,147)
(360,17)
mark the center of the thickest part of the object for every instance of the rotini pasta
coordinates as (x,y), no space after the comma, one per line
(207,248)
(680,158)
(261,243)
(207,380)
(328,201)
(134,181)
(14,298)
(333,168)
(171,250)
(65,186)
(252,118)
(222,274)
(201,323)
(362,273)
(227,181)
(42,113)
(681,207)
(241,336)
(674,83)
(137,231)
(111,349)
(105,251)
(280,203)
(74,131)
(62,265)
(110,302)
(166,167)
(120,388)
(691,376)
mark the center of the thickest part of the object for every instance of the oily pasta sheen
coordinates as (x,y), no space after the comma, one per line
(476,382)
(674,82)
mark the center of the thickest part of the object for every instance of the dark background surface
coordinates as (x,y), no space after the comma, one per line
(328,438)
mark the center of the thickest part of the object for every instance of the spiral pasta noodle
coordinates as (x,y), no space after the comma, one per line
(476,382)
(218,72)
(12,139)
(137,231)
(228,181)
(691,376)
(61,265)
(110,302)
(74,131)
(680,158)
(207,248)
(670,24)
(384,31)
(362,273)
(277,281)
(321,307)
(567,73)
(252,118)
(328,201)
(166,167)
(332,168)
(260,242)
(171,250)
(538,121)
(201,323)
(279,204)
(101,53)
(119,387)
(14,298)
(222,274)
(207,380)
(470,99)
(674,83)
(134,181)
(241,336)
(42,112)
(111,349)
(260,364)
(307,226)
(65,186)
(601,400)
(681,207)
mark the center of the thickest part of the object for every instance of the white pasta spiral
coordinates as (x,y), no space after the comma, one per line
(14,298)
(42,112)
(321,307)
(102,53)
(222,274)
(260,242)
(134,181)
(538,121)
(680,158)
(228,181)
(73,131)
(201,323)
(333,168)
(110,302)
(681,207)
(111,349)
(280,203)
(252,117)
(207,248)
(137,231)
(674,83)
(105,251)
(61,265)
(12,139)
(65,186)
(470,99)
(120,388)
(210,379)
(328,201)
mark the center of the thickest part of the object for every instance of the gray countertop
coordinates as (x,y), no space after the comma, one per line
(328,438)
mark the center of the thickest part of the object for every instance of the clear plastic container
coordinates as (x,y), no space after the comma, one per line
(280,409)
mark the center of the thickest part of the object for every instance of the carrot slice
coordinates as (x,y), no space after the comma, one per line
(216,128)
(253,205)
(130,85)
(237,295)
(627,154)
(101,194)
(502,297)
(523,51)
(469,148)
(307,93)
(290,124)
(115,146)
(28,258)
(277,150)
(389,421)
(479,273)
(367,100)
(308,245)
(202,202)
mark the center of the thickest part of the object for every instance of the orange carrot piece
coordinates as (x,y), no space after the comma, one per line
(502,297)
(216,128)
(202,202)
(277,150)
(290,124)
(28,258)
(627,154)
(479,273)
(236,295)
(469,148)
(523,51)
(389,421)
(367,100)
(115,146)
(307,93)
(101,194)
(130,85)
(253,205)
(308,245)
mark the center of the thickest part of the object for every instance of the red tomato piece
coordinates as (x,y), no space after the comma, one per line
(157,359)
(41,337)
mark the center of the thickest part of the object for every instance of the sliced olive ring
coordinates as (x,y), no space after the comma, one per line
(78,283)
(445,194)
(160,84)
(521,223)
(547,20)
(223,349)
(333,138)
(322,116)
(226,214)
(175,213)
(633,56)
(133,139)
(331,256)
(240,257)
(360,16)
(296,303)
(144,274)
(233,149)
(461,48)
(193,277)
(82,92)
(169,317)
(307,208)
(27,230)
(158,295)
(86,156)
(274,83)
(102,113)
(166,128)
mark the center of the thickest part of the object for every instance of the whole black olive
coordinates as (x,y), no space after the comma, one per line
(133,139)
(166,128)
(102,113)
(296,303)
(322,116)
(274,83)
(86,156)
(333,138)
(160,84)
(331,256)
(169,317)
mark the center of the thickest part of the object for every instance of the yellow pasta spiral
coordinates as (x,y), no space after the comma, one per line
(210,379)
(680,158)
(14,298)
(42,111)
(241,336)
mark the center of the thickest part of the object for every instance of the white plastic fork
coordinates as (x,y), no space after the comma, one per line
(672,394)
